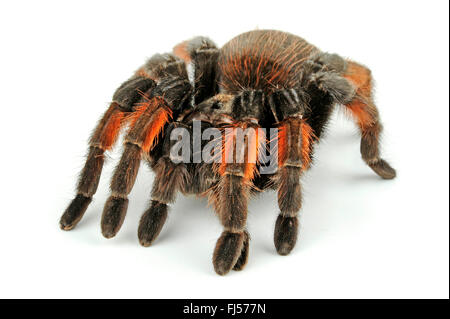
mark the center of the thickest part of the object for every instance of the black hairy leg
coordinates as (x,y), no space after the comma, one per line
(169,96)
(235,173)
(138,104)
(231,206)
(170,177)
(294,156)
(230,198)
(103,139)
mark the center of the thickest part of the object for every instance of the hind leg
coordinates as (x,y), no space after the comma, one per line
(367,117)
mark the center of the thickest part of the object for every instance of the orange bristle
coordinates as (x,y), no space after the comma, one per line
(111,130)
(307,139)
(158,120)
(358,110)
(255,142)
(282,144)
(227,148)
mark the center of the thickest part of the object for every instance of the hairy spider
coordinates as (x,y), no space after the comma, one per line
(261,78)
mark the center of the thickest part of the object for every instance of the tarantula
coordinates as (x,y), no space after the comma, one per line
(259,79)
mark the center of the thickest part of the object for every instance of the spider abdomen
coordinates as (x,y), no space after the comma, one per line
(264,60)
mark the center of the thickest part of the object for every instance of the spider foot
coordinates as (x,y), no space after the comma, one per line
(152,221)
(383,169)
(228,251)
(243,258)
(113,215)
(74,212)
(285,237)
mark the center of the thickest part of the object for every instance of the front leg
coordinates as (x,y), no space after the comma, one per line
(231,197)
(231,204)
(294,144)
(289,202)
(242,141)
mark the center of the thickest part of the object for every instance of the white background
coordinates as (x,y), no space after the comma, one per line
(361,236)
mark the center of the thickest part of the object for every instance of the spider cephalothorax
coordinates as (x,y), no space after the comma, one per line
(259,80)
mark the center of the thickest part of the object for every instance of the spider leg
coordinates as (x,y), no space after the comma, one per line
(367,117)
(170,177)
(230,198)
(233,170)
(294,148)
(166,100)
(102,139)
